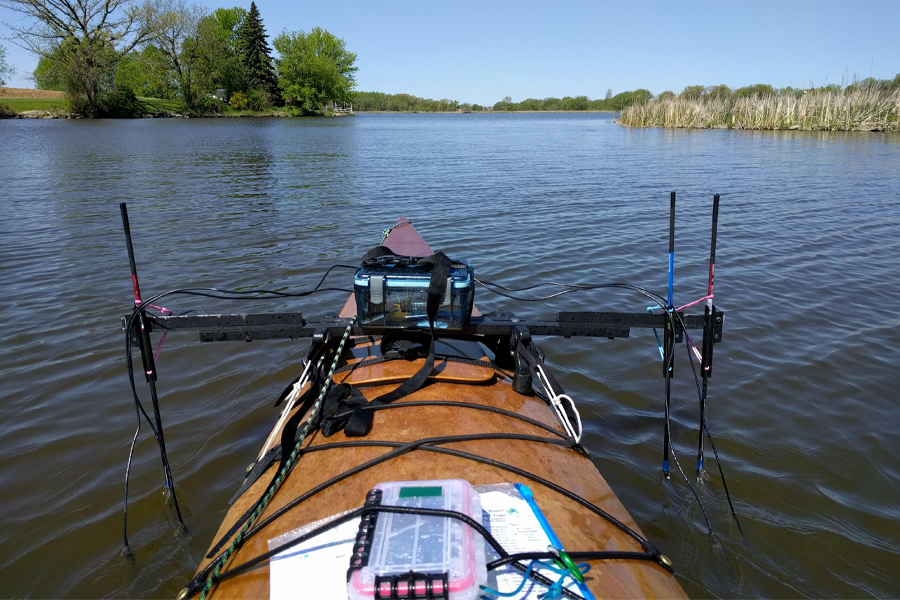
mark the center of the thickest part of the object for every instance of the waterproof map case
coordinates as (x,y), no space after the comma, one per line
(417,556)
(394,293)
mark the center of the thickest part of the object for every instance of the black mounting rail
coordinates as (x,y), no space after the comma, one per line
(273,326)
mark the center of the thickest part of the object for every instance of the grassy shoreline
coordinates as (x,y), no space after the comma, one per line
(55,108)
(474,112)
(831,110)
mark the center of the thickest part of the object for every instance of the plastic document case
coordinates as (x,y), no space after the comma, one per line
(416,556)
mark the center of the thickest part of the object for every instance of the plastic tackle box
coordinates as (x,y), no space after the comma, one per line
(416,556)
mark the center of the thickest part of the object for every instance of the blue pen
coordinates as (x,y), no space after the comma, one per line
(529,498)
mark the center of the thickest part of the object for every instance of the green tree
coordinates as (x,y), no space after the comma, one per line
(256,55)
(87,39)
(174,23)
(505,104)
(721,92)
(692,92)
(626,99)
(759,89)
(6,69)
(212,54)
(148,73)
(46,75)
(580,103)
(667,95)
(315,68)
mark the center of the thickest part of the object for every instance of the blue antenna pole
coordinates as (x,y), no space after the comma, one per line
(669,334)
(671,247)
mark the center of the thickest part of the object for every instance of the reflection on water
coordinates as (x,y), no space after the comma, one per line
(802,400)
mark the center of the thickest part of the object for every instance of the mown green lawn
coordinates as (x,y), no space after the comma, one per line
(160,105)
(151,105)
(23,104)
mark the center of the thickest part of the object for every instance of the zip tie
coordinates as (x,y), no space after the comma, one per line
(698,301)
(159,346)
(688,305)
(292,398)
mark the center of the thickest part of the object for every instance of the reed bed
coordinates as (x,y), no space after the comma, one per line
(843,110)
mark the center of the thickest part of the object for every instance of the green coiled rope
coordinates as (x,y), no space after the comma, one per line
(210,581)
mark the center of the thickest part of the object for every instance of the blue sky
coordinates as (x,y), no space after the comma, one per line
(483,51)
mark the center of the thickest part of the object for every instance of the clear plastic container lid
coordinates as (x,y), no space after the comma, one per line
(402,544)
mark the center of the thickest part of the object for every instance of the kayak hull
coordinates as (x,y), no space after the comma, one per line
(415,418)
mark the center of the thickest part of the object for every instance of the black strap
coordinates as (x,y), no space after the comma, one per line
(375,253)
(359,423)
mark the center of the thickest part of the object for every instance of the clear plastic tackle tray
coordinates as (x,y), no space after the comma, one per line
(414,551)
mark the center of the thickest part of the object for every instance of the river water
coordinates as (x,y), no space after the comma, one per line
(803,399)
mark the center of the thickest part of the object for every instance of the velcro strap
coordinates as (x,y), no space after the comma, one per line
(343,397)
(339,400)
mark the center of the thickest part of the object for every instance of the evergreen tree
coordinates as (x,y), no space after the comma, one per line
(256,54)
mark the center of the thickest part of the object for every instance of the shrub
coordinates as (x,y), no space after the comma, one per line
(117,104)
(238,100)
(121,104)
(692,92)
(204,106)
(258,100)
(759,89)
(6,111)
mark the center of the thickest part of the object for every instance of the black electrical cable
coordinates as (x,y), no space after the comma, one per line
(662,303)
(590,555)
(139,408)
(711,442)
(416,404)
(400,448)
(505,557)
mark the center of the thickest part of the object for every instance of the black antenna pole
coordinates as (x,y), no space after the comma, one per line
(708,332)
(669,334)
(143,335)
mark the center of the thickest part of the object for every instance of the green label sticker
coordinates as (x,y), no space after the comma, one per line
(420,492)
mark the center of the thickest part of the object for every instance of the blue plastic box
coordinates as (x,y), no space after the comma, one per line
(396,295)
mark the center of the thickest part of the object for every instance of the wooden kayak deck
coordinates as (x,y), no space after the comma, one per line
(578,528)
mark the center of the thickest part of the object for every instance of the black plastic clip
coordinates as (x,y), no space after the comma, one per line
(412,586)
(363,544)
(523,379)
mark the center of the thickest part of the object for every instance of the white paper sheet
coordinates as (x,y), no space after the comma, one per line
(514,524)
(316,568)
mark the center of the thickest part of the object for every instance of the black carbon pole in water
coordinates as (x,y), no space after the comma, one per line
(669,334)
(143,335)
(708,333)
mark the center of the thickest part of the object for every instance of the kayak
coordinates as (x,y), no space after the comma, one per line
(466,422)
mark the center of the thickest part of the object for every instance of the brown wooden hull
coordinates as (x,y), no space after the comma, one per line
(578,528)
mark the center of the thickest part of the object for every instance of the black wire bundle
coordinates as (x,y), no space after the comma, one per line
(141,309)
(571,288)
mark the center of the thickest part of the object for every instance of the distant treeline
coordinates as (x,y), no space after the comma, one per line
(377,101)
(865,105)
